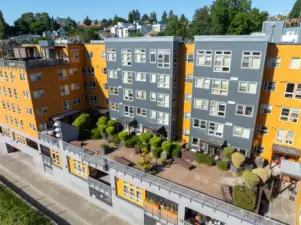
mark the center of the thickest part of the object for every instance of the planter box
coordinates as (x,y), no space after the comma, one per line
(235,170)
(169,216)
(152,208)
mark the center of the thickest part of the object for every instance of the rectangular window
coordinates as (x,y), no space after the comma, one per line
(15,93)
(295,63)
(201,103)
(153,78)
(83,71)
(140,76)
(247,87)
(129,111)
(163,81)
(163,118)
(241,132)
(114,106)
(79,168)
(153,96)
(103,55)
(222,61)
(76,101)
(35,76)
(141,112)
(113,90)
(204,58)
(266,109)
(13,107)
(126,57)
(73,71)
(67,104)
(289,114)
(220,87)
(251,60)
(42,110)
(104,70)
(202,83)
(215,129)
(38,93)
(269,86)
(113,74)
(10,93)
(127,77)
(187,115)
(91,71)
(187,97)
(64,90)
(75,86)
(152,56)
(62,74)
(202,124)
(153,114)
(128,94)
(19,109)
(189,58)
(93,99)
(22,76)
(140,55)
(293,91)
(186,132)
(141,95)
(111,54)
(163,58)
(29,111)
(274,62)
(244,110)
(163,100)
(285,136)
(90,55)
(218,108)
(188,78)
(26,94)
(85,85)
(12,77)
(262,130)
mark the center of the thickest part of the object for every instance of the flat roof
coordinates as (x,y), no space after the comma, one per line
(233,38)
(144,39)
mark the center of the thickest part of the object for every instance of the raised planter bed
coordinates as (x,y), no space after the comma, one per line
(169,216)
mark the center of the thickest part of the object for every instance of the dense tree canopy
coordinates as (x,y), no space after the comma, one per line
(87,21)
(3,27)
(296,10)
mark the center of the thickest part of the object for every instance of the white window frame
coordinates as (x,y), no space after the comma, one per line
(150,96)
(207,55)
(127,77)
(113,74)
(248,83)
(187,97)
(244,110)
(187,115)
(219,90)
(143,112)
(128,113)
(114,106)
(189,58)
(204,82)
(113,90)
(163,100)
(251,56)
(153,114)
(140,76)
(239,132)
(128,59)
(202,105)
(153,78)
(188,78)
(126,94)
(296,94)
(216,130)
(161,53)
(222,66)
(202,124)
(218,111)
(289,118)
(163,118)
(285,140)
(299,63)
(142,53)
(166,80)
(141,95)
(111,55)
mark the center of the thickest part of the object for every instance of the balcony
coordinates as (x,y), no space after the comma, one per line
(48,139)
(163,215)
(47,160)
(100,186)
(32,64)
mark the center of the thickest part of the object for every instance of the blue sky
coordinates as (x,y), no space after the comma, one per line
(98,9)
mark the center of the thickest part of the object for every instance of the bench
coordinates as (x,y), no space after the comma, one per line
(183,163)
(122,160)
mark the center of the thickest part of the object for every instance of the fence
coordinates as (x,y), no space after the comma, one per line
(100,186)
(48,139)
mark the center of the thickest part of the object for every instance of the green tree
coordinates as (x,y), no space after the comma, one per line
(170,14)
(201,23)
(53,24)
(145,18)
(137,15)
(296,10)
(153,17)
(89,34)
(244,198)
(164,17)
(3,27)
(130,17)
(87,21)
(117,19)
(173,27)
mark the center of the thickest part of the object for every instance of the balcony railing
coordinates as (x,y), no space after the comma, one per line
(100,186)
(162,215)
(31,64)
(74,149)
(95,160)
(48,139)
(47,160)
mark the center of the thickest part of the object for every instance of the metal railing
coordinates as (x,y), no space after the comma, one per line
(31,64)
(74,149)
(95,160)
(48,139)
(47,160)
(161,215)
(100,186)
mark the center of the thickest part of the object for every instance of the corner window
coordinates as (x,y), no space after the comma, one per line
(274,62)
(111,54)
(269,86)
(222,61)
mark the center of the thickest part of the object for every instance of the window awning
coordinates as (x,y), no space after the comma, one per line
(214,141)
(64,114)
(286,150)
(154,127)
(291,169)
(126,120)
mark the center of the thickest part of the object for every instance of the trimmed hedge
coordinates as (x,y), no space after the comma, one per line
(131,142)
(166,146)
(82,122)
(95,134)
(228,151)
(243,198)
(144,137)
(111,123)
(238,159)
(204,159)
(102,120)
(110,131)
(123,135)
(14,211)
(251,179)
(116,139)
(222,165)
(155,141)
(157,152)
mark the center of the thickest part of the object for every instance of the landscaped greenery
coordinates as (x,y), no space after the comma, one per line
(222,165)
(250,179)
(262,173)
(145,162)
(204,159)
(82,123)
(110,130)
(243,198)
(144,137)
(131,142)
(14,211)
(123,135)
(95,134)
(228,151)
(238,159)
(166,146)
(157,152)
(155,141)
(176,149)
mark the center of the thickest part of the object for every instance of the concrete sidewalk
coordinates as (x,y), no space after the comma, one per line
(70,207)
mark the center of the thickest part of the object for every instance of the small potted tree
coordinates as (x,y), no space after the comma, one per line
(250,179)
(166,147)
(237,161)
(110,131)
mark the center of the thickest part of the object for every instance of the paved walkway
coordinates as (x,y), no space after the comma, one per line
(65,204)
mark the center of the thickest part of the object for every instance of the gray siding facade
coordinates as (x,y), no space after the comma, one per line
(172,44)
(235,45)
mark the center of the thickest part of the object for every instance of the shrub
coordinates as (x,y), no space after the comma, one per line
(95,134)
(222,165)
(116,139)
(110,131)
(144,137)
(155,141)
(204,159)
(131,142)
(262,173)
(111,123)
(123,135)
(228,151)
(243,198)
(104,146)
(250,179)
(163,161)
(157,152)
(142,145)
(102,128)
(238,159)
(145,162)
(166,146)
(209,160)
(102,120)
(176,153)
(82,122)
